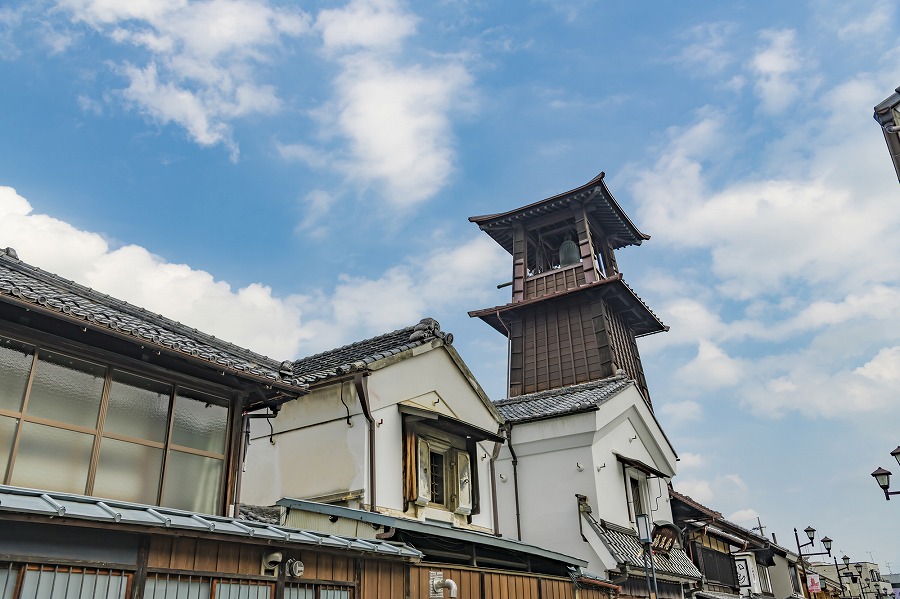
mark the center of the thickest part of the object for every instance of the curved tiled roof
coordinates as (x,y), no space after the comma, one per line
(623,543)
(358,355)
(558,402)
(22,283)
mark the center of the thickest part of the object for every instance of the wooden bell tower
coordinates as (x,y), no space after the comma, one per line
(572,318)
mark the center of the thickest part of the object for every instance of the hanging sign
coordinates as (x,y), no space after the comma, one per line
(813,583)
(664,537)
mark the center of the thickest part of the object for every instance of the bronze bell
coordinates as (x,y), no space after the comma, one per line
(568,253)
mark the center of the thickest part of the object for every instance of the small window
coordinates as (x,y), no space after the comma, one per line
(444,476)
(763,572)
(62,582)
(637,495)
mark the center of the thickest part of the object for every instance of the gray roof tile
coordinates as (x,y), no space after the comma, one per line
(559,402)
(23,283)
(624,543)
(360,354)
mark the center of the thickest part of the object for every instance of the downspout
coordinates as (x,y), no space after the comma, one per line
(362,391)
(508,429)
(515,466)
(496,516)
(242,461)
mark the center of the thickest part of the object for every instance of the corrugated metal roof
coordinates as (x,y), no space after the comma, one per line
(16,500)
(358,355)
(624,544)
(433,529)
(559,402)
(22,283)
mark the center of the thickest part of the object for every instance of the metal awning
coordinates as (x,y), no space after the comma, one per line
(427,528)
(16,501)
(449,424)
(639,465)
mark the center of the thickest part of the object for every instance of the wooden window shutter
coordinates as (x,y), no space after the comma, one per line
(463,483)
(423,470)
(410,490)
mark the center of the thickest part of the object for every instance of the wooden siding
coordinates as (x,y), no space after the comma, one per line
(554,281)
(553,346)
(383,580)
(325,566)
(201,555)
(557,589)
(492,584)
(618,346)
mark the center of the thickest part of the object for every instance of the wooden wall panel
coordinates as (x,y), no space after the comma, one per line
(202,555)
(593,593)
(557,589)
(501,586)
(468,581)
(383,580)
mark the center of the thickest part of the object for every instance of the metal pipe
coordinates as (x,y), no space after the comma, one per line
(446,583)
(494,514)
(515,466)
(359,382)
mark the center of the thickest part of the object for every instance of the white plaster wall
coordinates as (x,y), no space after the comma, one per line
(549,452)
(317,453)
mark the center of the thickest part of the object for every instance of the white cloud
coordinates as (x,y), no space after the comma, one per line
(697,489)
(254,316)
(706,52)
(711,368)
(369,24)
(774,64)
(200,58)
(681,412)
(690,460)
(391,118)
(744,517)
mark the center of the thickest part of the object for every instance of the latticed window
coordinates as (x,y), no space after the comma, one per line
(80,426)
(186,586)
(317,591)
(26,581)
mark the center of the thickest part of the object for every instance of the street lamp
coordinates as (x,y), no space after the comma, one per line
(883,477)
(887,113)
(811,535)
(841,576)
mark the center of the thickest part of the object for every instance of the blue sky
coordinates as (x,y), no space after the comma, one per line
(295,177)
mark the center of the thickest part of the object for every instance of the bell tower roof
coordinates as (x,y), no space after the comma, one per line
(598,202)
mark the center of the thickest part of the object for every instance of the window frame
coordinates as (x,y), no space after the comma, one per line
(636,478)
(457,453)
(176,383)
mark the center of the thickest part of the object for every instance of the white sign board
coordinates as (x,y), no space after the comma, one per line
(813,584)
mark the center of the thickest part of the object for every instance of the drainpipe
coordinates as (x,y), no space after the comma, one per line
(515,465)
(362,391)
(438,585)
(242,458)
(496,517)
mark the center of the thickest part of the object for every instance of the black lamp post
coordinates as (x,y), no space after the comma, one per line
(811,535)
(841,576)
(883,477)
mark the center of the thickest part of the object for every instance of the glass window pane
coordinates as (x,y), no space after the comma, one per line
(201,421)
(7,436)
(61,583)
(163,586)
(66,389)
(334,594)
(8,577)
(242,590)
(15,364)
(295,592)
(128,471)
(138,407)
(52,458)
(193,483)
